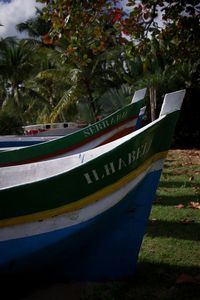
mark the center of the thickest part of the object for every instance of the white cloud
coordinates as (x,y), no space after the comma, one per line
(15,12)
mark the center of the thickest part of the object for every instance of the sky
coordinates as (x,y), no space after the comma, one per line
(13,12)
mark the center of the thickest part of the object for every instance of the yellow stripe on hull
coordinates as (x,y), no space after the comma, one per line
(86,200)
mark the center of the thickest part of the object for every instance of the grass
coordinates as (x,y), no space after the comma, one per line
(169,259)
(174,227)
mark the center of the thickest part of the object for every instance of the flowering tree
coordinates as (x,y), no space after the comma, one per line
(88,28)
(88,33)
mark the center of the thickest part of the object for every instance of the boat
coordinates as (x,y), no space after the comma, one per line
(83,217)
(119,123)
(39,133)
(53,129)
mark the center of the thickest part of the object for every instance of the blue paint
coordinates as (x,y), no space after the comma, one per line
(105,247)
(139,122)
(19,143)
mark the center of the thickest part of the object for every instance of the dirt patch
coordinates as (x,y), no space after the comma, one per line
(183,162)
(191,157)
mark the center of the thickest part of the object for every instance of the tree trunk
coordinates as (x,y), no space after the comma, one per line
(152,95)
(89,92)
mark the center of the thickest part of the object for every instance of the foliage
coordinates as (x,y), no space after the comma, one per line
(16,66)
(114,98)
(20,61)
(87,27)
(187,132)
(174,24)
(168,45)
(10,123)
(83,53)
(89,34)
(36,27)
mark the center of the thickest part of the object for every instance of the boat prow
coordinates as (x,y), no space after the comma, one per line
(83,217)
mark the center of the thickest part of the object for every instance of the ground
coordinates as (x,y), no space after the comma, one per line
(186,157)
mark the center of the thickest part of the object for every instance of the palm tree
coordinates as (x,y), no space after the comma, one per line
(15,67)
(35,27)
(83,86)
(19,64)
(149,68)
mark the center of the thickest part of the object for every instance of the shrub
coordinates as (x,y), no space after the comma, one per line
(10,124)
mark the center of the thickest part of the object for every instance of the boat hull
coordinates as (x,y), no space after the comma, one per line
(83,217)
(103,247)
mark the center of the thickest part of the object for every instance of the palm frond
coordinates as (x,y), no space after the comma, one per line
(114,99)
(69,97)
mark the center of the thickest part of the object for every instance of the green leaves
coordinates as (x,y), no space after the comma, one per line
(68,99)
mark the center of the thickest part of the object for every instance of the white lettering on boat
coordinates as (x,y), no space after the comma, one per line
(118,165)
(101,125)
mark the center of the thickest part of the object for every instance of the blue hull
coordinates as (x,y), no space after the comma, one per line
(103,248)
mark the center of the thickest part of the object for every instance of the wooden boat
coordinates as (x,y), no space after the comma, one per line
(116,125)
(36,134)
(83,217)
(52,129)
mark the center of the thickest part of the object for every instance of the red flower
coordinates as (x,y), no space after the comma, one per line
(125,31)
(47,40)
(116,18)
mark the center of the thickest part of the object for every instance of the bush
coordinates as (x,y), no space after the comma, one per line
(10,124)
(187,134)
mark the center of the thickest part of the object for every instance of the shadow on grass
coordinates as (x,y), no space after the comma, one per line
(159,281)
(171,163)
(178,184)
(174,230)
(152,281)
(173,201)
(22,286)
